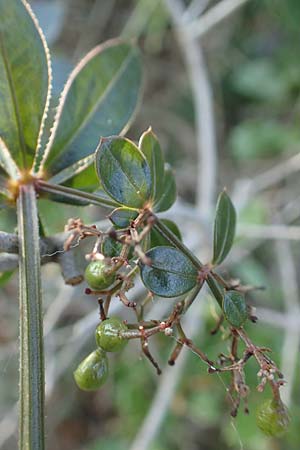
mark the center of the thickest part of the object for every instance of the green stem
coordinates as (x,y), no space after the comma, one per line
(216,289)
(75,194)
(31,325)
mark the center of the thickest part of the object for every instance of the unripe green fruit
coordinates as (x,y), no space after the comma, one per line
(272,418)
(108,335)
(98,275)
(92,372)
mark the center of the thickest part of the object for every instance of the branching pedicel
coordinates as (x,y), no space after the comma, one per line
(139,242)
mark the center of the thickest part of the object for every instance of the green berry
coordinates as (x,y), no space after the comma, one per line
(98,275)
(108,335)
(92,372)
(272,418)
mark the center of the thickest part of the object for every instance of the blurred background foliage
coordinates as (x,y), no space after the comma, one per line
(254,66)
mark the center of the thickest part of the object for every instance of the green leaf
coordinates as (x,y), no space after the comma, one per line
(24,80)
(3,186)
(81,176)
(84,165)
(169,192)
(122,217)
(158,239)
(234,308)
(7,163)
(110,247)
(170,272)
(224,228)
(99,99)
(123,171)
(150,147)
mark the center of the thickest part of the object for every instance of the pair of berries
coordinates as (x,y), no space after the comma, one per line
(92,372)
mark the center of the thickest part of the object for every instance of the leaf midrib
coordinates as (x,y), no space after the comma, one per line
(136,189)
(174,272)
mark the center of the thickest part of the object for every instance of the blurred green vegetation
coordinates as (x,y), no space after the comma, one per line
(254,63)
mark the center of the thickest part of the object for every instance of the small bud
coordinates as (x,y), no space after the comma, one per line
(168,331)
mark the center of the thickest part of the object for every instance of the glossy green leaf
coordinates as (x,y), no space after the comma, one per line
(123,171)
(24,80)
(235,308)
(99,99)
(156,237)
(170,272)
(122,217)
(169,191)
(150,147)
(224,228)
(112,248)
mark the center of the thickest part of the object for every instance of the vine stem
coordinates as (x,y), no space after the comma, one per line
(32,383)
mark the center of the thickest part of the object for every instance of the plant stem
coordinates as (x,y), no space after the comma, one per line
(216,289)
(31,436)
(75,194)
